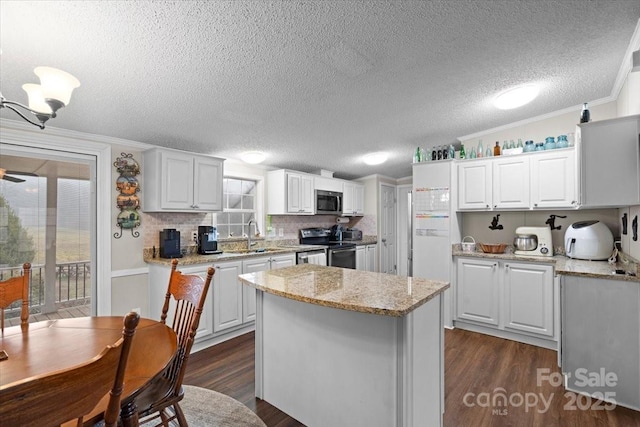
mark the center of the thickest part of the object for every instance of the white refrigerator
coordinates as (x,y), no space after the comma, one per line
(434,225)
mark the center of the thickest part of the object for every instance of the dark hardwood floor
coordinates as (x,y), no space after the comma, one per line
(478,370)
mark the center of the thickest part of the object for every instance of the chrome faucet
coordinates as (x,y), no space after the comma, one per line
(249,242)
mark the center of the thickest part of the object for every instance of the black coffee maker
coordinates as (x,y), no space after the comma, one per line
(207,240)
(170,243)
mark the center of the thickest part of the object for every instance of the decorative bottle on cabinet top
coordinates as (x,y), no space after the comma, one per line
(496,149)
(585,115)
(416,156)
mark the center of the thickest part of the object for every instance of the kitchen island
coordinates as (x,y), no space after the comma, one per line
(341,347)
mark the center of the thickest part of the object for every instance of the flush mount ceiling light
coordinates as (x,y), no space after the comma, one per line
(253,157)
(53,93)
(375,158)
(516,97)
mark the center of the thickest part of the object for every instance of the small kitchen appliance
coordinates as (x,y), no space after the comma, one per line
(590,240)
(170,243)
(328,203)
(207,240)
(533,241)
(352,234)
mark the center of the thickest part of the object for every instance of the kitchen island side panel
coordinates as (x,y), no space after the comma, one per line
(331,367)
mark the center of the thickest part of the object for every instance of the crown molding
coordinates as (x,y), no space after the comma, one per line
(24,132)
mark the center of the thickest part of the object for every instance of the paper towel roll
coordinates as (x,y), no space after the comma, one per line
(341,220)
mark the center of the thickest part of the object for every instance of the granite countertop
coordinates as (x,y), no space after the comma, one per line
(347,289)
(228,255)
(236,250)
(564,265)
(366,240)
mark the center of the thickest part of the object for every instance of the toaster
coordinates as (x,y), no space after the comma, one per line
(590,240)
(352,235)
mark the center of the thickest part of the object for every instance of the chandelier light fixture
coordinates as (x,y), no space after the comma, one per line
(53,93)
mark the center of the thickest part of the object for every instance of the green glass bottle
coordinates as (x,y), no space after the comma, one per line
(416,156)
(463,155)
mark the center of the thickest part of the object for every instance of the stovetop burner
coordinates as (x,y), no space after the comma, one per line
(338,244)
(322,236)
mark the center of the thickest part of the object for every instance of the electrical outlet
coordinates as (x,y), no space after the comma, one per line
(195,236)
(280,232)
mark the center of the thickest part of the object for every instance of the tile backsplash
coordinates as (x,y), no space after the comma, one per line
(187,223)
(477,224)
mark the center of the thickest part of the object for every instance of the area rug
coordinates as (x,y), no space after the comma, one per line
(208,408)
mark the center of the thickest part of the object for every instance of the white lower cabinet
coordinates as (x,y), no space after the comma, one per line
(372,258)
(229,305)
(249,294)
(227,296)
(528,298)
(158,282)
(259,264)
(511,296)
(366,258)
(478,291)
(361,257)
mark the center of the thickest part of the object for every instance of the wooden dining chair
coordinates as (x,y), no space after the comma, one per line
(14,289)
(157,402)
(56,398)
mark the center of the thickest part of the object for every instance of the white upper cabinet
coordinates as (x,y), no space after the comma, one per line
(290,193)
(553,180)
(352,199)
(475,185)
(327,184)
(511,182)
(181,182)
(609,153)
(543,180)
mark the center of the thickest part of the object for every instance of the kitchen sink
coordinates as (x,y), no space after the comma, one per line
(255,251)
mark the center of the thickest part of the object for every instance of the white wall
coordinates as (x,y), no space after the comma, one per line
(629,98)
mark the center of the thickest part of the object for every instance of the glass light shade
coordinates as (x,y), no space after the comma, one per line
(253,157)
(56,84)
(36,100)
(516,97)
(375,158)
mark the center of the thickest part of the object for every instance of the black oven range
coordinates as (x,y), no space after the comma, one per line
(339,253)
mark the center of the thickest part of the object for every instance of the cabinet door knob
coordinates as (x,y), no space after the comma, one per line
(535,204)
(487,206)
(495,206)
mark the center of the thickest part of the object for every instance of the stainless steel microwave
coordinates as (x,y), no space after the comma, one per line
(328,202)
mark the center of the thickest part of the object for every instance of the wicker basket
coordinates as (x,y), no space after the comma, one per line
(497,248)
(468,244)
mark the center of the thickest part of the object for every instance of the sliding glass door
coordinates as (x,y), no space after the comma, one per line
(48,218)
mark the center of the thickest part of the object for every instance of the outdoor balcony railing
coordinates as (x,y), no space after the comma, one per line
(72,286)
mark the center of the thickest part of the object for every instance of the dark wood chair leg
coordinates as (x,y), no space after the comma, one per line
(180,415)
(129,415)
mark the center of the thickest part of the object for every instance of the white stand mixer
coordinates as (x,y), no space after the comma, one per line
(542,235)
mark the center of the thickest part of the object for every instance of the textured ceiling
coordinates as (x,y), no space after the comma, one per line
(315,84)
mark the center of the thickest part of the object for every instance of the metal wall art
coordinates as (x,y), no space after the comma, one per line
(127,201)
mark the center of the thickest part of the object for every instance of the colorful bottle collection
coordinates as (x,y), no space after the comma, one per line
(445,152)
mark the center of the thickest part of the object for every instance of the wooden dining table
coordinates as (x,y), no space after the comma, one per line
(49,346)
